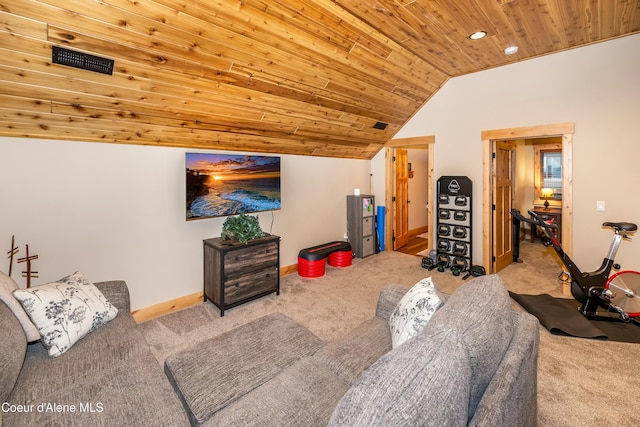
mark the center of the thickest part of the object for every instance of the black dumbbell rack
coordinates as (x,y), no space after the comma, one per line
(453,225)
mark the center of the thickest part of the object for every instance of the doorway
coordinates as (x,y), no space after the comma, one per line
(396,220)
(497,181)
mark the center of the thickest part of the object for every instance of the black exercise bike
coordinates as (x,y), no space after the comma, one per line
(619,293)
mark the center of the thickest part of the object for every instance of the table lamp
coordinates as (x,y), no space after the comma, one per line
(546,193)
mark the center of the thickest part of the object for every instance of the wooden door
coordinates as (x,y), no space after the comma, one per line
(502,202)
(402,199)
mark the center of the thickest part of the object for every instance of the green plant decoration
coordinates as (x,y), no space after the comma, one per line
(242,228)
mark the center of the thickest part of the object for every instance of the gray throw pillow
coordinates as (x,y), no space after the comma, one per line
(7,286)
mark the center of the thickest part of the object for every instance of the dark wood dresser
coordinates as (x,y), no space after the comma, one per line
(236,273)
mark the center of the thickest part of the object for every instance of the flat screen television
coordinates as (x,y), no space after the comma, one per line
(226,184)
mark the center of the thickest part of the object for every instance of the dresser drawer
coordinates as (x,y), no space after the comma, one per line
(251,284)
(252,258)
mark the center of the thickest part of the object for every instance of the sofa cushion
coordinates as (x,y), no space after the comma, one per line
(13,347)
(514,387)
(117,293)
(65,311)
(216,372)
(131,392)
(480,311)
(414,311)
(113,366)
(351,354)
(388,299)
(7,286)
(304,394)
(438,377)
(424,382)
(104,349)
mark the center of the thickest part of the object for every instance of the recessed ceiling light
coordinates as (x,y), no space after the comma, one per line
(511,50)
(478,35)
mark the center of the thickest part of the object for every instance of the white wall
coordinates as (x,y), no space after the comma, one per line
(597,87)
(378,179)
(117,212)
(525,177)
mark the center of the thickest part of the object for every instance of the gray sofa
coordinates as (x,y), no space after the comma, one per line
(474,364)
(108,378)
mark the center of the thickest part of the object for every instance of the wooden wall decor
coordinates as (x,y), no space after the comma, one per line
(28,273)
(11,253)
(307,77)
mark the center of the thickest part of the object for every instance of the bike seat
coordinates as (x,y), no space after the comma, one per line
(624,226)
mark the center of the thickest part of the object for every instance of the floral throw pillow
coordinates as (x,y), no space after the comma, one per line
(65,311)
(414,311)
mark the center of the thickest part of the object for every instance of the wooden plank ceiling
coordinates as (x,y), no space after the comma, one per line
(278,76)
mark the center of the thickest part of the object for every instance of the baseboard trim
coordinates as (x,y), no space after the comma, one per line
(167,307)
(290,269)
(419,230)
(179,303)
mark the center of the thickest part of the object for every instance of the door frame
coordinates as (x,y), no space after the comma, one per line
(420,142)
(564,130)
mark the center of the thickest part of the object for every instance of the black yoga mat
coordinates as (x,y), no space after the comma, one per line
(560,316)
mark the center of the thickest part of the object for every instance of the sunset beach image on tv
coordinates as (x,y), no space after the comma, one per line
(225,184)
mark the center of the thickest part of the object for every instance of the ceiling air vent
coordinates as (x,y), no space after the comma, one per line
(380,125)
(82,60)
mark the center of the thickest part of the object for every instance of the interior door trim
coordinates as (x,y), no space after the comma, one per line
(424,142)
(566,131)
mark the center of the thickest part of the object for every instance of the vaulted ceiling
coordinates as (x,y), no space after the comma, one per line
(327,77)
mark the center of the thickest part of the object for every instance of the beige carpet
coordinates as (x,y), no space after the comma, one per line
(580,382)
